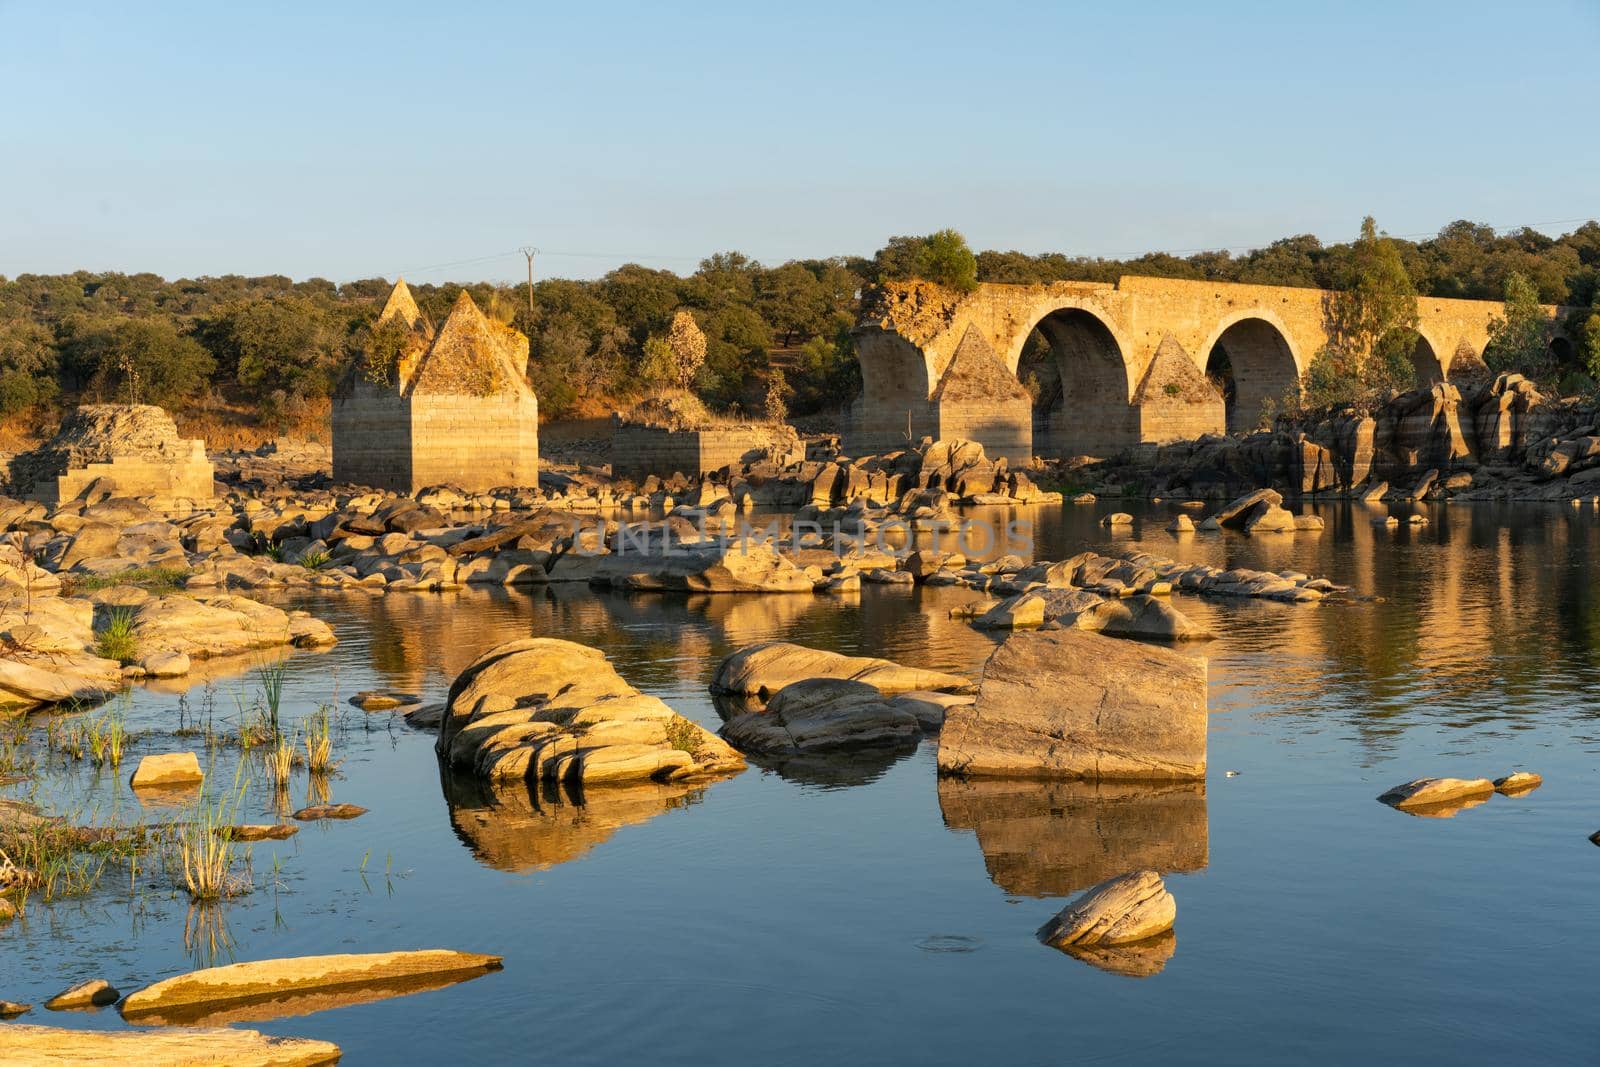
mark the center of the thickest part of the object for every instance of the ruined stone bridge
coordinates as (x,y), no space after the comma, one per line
(1144,360)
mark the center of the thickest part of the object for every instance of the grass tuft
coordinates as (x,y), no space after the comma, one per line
(117,640)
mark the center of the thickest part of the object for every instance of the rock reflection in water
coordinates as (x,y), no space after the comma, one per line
(1047,839)
(292,1003)
(1141,959)
(518,827)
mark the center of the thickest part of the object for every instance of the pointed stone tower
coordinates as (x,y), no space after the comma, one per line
(1175,401)
(978,399)
(455,410)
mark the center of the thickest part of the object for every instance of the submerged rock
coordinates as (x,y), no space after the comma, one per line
(95,993)
(552,710)
(256,832)
(1069,704)
(763,669)
(1518,783)
(1438,796)
(27,1044)
(1130,908)
(262,985)
(330,811)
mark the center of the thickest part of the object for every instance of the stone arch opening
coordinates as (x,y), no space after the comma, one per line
(1252,366)
(893,406)
(1427,369)
(1425,364)
(1083,406)
(1563,352)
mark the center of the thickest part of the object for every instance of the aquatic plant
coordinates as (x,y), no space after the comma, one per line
(207,857)
(319,741)
(106,736)
(117,640)
(280,762)
(272,676)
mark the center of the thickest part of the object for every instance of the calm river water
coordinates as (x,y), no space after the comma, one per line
(861,911)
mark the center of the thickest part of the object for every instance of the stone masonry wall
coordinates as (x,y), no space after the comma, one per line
(404,444)
(638,451)
(372,439)
(474,442)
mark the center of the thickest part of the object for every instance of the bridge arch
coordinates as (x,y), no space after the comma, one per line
(1252,360)
(1087,382)
(896,380)
(1427,366)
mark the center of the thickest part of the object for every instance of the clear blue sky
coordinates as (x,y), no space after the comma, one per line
(350,140)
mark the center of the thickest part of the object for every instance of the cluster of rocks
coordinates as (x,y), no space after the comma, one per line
(1442,798)
(51,640)
(1499,440)
(780,698)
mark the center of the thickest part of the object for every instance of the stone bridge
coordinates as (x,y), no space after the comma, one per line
(1144,360)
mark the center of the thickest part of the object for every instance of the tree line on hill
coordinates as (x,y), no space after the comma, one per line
(280,346)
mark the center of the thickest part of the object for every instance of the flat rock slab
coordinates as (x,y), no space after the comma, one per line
(261,985)
(1133,907)
(330,811)
(1437,792)
(22,1045)
(1070,704)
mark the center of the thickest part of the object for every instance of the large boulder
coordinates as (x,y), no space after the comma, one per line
(763,669)
(1069,704)
(555,711)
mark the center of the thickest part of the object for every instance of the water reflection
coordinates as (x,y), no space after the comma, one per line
(518,827)
(1050,839)
(1141,959)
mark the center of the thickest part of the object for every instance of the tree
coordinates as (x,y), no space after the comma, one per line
(791,299)
(688,347)
(149,361)
(28,364)
(1372,324)
(659,365)
(1519,341)
(283,344)
(942,258)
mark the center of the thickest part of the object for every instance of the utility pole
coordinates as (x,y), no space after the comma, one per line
(530,252)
